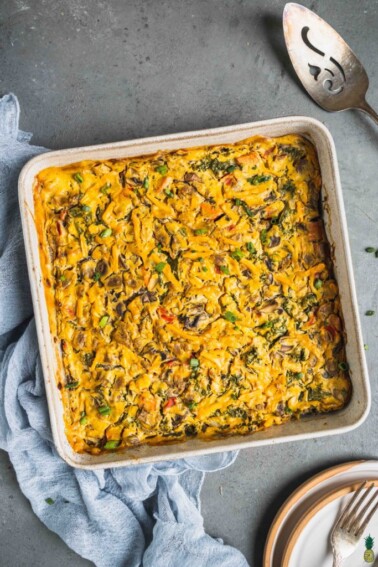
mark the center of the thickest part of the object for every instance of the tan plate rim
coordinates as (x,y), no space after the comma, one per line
(293,498)
(313,510)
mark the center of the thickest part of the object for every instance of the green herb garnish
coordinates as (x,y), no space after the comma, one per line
(105,233)
(237,254)
(49,501)
(112,444)
(343,366)
(83,418)
(103,321)
(318,283)
(162,169)
(159,267)
(199,231)
(169,193)
(370,249)
(231,317)
(71,385)
(250,247)
(194,363)
(264,236)
(86,208)
(77,177)
(96,276)
(369,313)
(245,207)
(104,188)
(225,270)
(146,183)
(256,179)
(104,410)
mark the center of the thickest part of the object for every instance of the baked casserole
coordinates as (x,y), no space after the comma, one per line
(191,293)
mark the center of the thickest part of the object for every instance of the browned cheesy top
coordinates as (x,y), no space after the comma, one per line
(190,292)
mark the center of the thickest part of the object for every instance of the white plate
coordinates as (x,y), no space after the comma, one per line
(304,498)
(309,543)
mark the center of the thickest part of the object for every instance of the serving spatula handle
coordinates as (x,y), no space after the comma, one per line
(365,107)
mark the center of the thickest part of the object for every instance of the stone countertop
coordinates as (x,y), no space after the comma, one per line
(99,71)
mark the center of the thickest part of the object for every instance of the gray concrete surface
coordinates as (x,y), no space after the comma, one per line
(96,71)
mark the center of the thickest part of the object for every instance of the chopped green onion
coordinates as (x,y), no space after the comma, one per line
(104,188)
(71,385)
(237,254)
(96,276)
(225,270)
(49,501)
(366,347)
(146,183)
(229,316)
(77,177)
(370,249)
(298,375)
(160,267)
(343,366)
(194,363)
(264,236)
(83,418)
(162,169)
(204,269)
(231,168)
(113,444)
(256,179)
(376,254)
(169,193)
(62,278)
(104,410)
(103,321)
(199,231)
(318,283)
(105,233)
(251,249)
(369,313)
(183,231)
(192,405)
(86,208)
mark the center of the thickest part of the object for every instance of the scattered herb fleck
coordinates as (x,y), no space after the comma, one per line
(159,267)
(162,169)
(77,177)
(230,316)
(103,321)
(112,444)
(194,363)
(256,179)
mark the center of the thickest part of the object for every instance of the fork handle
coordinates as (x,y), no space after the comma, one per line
(337,559)
(365,107)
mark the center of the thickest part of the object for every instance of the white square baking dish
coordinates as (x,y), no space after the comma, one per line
(335,222)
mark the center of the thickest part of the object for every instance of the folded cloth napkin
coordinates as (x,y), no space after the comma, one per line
(144,515)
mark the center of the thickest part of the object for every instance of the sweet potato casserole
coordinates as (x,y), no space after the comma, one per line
(191,293)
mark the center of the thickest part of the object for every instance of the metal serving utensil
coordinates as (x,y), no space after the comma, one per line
(327,67)
(349,527)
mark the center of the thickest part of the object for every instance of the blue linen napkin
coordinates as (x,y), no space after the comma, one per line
(144,515)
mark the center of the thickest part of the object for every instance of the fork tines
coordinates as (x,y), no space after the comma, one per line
(355,517)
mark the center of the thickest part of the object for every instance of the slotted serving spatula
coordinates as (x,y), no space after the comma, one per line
(327,67)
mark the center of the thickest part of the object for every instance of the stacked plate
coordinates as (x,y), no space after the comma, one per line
(300,532)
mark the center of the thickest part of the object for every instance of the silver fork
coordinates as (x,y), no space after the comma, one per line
(349,527)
